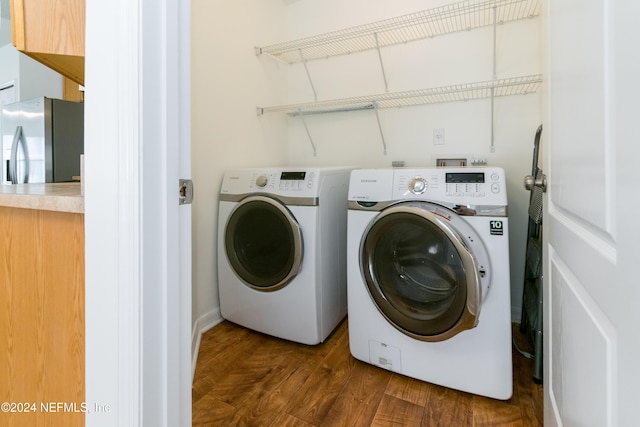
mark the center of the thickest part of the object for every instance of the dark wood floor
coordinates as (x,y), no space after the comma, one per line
(244,378)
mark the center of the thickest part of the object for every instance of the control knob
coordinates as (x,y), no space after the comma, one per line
(418,185)
(262,181)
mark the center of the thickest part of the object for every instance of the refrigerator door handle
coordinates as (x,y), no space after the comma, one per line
(18,138)
(13,159)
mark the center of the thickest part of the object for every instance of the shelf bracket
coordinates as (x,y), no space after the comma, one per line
(304,62)
(384,75)
(306,128)
(384,144)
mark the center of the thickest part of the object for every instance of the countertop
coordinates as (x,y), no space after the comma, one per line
(60,197)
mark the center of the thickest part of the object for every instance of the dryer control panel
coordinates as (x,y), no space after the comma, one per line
(283,181)
(287,182)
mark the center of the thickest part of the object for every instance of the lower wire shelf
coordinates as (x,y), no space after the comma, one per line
(461,92)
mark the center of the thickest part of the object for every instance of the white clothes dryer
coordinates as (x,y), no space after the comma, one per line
(282,250)
(428,275)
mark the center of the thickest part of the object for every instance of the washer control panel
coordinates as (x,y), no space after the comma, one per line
(484,185)
(472,184)
(456,185)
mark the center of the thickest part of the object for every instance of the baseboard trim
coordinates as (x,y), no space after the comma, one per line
(200,326)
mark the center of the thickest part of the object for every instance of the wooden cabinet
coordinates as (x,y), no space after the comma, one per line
(51,32)
(71,91)
(42,317)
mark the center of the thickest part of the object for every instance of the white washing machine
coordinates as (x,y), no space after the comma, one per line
(282,250)
(428,275)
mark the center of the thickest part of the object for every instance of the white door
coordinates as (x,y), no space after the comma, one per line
(592,265)
(138,237)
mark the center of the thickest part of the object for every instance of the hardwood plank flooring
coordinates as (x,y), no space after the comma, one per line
(244,378)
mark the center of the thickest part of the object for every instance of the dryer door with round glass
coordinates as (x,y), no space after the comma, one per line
(420,271)
(263,242)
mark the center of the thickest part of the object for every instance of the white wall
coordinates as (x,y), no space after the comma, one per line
(31,78)
(8,64)
(5,31)
(229,81)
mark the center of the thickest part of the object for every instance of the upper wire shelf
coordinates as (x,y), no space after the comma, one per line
(460,92)
(447,19)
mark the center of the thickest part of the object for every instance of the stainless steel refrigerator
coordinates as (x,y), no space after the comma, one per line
(42,140)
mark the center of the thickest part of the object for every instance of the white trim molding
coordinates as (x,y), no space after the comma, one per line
(112,214)
(138,280)
(200,326)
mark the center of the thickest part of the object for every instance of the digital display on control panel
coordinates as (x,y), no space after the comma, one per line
(464,177)
(293,176)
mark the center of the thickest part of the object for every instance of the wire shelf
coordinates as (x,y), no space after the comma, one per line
(460,92)
(447,19)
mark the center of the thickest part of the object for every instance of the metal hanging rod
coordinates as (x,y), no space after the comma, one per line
(373,106)
(429,23)
(323,111)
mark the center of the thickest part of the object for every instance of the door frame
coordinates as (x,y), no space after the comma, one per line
(138,241)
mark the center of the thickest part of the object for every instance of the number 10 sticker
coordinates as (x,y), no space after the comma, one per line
(496,229)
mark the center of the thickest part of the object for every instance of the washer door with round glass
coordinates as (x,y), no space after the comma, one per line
(263,242)
(421,272)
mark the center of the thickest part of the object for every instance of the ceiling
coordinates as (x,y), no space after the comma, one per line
(4,7)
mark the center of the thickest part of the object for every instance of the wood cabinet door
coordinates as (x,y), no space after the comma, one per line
(41,318)
(51,32)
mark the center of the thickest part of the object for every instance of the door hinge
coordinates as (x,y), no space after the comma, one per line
(185,189)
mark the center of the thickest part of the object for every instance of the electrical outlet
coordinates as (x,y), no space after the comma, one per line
(438,136)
